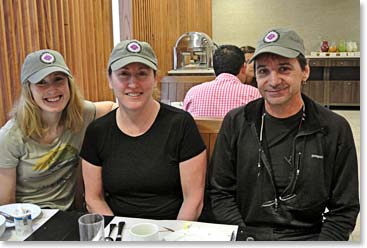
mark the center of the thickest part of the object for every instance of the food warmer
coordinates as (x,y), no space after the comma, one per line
(193,51)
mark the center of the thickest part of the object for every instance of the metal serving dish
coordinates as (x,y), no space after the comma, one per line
(193,50)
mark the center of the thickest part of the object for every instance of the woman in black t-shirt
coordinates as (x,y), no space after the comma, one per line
(145,159)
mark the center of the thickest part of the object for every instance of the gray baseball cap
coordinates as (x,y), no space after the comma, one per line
(281,41)
(132,51)
(41,63)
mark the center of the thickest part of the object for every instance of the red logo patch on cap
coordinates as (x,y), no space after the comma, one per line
(47,58)
(134,47)
(272,36)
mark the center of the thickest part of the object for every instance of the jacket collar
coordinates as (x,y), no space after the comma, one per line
(313,119)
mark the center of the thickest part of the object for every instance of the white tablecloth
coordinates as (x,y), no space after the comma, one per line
(9,234)
(184,230)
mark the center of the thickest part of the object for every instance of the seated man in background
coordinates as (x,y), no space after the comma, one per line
(227,91)
(248,52)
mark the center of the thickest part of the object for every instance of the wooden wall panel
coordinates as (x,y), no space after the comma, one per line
(81,30)
(162,22)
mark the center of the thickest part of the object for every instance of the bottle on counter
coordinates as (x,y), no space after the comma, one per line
(341,46)
(349,46)
(332,47)
(324,46)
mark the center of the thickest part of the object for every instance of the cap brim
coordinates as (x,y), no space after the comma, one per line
(41,74)
(282,51)
(132,59)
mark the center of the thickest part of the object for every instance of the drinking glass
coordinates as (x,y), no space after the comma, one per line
(91,227)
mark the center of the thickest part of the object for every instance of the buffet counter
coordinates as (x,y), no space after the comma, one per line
(186,72)
(174,87)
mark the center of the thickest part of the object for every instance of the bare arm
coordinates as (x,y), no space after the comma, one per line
(192,174)
(103,108)
(94,195)
(7,185)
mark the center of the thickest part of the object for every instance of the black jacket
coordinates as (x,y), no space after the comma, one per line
(241,189)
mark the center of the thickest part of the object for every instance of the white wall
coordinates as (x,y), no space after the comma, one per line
(241,22)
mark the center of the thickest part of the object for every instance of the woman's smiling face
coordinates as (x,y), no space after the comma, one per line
(52,93)
(133,85)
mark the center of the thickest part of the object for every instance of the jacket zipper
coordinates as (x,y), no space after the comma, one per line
(262,157)
(297,162)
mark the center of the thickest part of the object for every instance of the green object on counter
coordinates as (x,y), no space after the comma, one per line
(341,46)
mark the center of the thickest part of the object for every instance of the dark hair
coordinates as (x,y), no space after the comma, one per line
(302,61)
(228,59)
(247,49)
(300,58)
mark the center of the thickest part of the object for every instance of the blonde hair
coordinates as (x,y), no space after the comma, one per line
(27,113)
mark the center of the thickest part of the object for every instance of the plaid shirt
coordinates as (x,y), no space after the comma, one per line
(216,98)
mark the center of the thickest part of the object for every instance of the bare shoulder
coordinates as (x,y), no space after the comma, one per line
(104,107)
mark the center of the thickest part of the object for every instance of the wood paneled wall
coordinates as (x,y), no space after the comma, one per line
(162,22)
(81,30)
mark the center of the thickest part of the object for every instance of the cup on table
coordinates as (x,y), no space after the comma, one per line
(91,227)
(22,221)
(144,232)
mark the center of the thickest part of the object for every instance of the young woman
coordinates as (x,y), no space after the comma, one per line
(144,159)
(40,144)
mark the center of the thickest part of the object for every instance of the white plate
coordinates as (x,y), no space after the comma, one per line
(10,209)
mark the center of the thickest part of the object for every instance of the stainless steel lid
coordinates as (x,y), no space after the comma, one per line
(193,40)
(193,50)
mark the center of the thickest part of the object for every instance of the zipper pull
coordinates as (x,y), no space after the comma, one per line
(258,168)
(259,163)
(299,161)
(276,204)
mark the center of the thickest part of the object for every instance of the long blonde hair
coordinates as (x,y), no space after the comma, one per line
(27,113)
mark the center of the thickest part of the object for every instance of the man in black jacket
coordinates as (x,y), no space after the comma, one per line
(284,167)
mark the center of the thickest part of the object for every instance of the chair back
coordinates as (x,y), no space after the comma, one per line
(209,129)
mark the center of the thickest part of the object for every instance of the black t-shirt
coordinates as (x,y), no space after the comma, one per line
(280,133)
(141,176)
